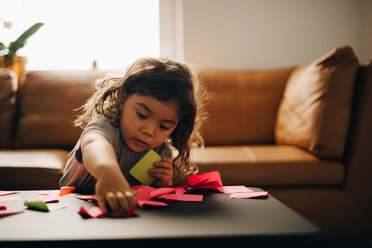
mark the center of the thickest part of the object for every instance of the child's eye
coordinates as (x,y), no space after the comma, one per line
(164,127)
(141,116)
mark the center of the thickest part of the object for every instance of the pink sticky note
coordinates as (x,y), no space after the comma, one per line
(143,203)
(248,195)
(183,197)
(94,212)
(85,197)
(4,192)
(137,187)
(161,191)
(234,189)
(144,193)
(180,190)
(213,180)
(9,212)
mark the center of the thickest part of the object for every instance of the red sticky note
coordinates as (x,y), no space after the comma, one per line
(249,195)
(234,189)
(210,180)
(9,212)
(143,203)
(183,197)
(121,213)
(65,190)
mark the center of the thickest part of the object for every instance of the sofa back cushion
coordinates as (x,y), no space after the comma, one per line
(244,105)
(8,88)
(47,103)
(315,110)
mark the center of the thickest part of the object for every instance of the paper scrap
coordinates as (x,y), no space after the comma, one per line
(38,205)
(5,192)
(234,189)
(144,193)
(143,203)
(183,197)
(45,199)
(96,212)
(53,207)
(209,180)
(248,195)
(161,191)
(121,213)
(4,213)
(141,169)
(65,190)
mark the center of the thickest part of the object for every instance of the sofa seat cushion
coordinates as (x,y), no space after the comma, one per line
(268,165)
(31,169)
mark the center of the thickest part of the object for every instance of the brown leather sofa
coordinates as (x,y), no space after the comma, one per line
(244,140)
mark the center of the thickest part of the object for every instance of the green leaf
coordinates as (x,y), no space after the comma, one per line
(20,42)
(2,46)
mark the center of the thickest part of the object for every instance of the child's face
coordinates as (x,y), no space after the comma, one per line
(145,122)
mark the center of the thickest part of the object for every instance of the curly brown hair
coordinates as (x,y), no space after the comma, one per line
(165,80)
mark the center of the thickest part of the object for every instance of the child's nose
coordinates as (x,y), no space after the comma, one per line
(148,130)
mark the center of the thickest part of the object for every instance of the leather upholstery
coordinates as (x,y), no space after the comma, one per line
(244,106)
(315,110)
(31,168)
(269,165)
(47,105)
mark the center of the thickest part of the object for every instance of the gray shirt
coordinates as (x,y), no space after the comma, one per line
(75,173)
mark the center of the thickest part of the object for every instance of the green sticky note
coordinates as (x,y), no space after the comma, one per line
(141,169)
(37,205)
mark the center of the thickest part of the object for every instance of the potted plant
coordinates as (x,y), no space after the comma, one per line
(9,58)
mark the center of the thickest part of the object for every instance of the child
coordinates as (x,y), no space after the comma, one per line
(156,105)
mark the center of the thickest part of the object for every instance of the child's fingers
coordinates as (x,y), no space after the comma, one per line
(112,201)
(131,199)
(164,165)
(122,200)
(102,204)
(161,171)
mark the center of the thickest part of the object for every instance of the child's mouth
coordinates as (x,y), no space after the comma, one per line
(141,143)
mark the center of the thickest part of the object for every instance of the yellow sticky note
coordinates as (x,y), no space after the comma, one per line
(141,169)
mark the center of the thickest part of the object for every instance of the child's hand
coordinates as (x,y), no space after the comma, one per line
(163,172)
(113,193)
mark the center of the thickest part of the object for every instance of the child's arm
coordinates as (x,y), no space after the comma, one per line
(112,188)
(163,172)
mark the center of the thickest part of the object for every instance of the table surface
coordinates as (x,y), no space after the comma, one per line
(216,218)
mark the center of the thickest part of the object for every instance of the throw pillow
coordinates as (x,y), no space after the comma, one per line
(315,109)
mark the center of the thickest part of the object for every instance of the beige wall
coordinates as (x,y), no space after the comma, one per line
(272,33)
